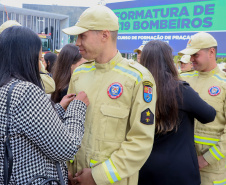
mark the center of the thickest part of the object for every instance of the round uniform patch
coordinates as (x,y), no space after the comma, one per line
(214,90)
(115,90)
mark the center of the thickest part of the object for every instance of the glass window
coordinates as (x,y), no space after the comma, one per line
(41,22)
(10,16)
(5,17)
(1,17)
(45,44)
(29,21)
(25,21)
(46,26)
(17,18)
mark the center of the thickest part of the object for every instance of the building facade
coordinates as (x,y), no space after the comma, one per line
(40,22)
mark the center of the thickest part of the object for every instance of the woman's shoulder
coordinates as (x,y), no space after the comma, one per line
(22,86)
(24,89)
(184,83)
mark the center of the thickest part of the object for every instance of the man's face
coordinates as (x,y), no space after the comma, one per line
(138,55)
(89,44)
(186,66)
(201,60)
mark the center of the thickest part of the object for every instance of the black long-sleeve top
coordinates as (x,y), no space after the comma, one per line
(173,160)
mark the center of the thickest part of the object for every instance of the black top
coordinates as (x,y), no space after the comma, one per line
(173,160)
(63,93)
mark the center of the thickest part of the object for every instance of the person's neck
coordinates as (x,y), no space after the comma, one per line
(106,55)
(211,67)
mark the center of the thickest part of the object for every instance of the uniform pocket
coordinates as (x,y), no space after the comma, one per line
(115,121)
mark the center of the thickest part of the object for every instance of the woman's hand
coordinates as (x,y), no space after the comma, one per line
(66,100)
(82,96)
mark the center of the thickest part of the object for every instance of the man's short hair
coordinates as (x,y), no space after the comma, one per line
(114,34)
(214,47)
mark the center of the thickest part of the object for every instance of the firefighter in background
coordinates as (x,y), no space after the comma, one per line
(138,51)
(119,123)
(8,24)
(210,83)
(48,82)
(57,51)
(185,64)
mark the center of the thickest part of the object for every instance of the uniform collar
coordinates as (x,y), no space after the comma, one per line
(111,64)
(210,73)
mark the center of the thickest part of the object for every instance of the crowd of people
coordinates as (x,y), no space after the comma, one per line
(106,119)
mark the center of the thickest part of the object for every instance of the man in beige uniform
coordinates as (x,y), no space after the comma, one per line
(210,82)
(48,82)
(119,127)
(138,51)
(8,24)
(186,64)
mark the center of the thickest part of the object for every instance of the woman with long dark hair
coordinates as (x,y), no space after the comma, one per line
(50,60)
(68,59)
(173,160)
(40,133)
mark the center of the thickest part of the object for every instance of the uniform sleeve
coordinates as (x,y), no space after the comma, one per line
(49,84)
(71,86)
(197,106)
(137,146)
(217,151)
(36,119)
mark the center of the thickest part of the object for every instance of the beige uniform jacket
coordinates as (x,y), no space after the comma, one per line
(48,82)
(210,139)
(181,72)
(115,144)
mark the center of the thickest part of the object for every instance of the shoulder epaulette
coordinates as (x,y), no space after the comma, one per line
(220,76)
(189,74)
(143,70)
(85,68)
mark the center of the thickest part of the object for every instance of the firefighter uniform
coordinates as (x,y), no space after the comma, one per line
(210,139)
(119,127)
(182,72)
(48,82)
(185,59)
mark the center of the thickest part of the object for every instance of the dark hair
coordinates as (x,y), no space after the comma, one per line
(158,59)
(62,70)
(50,59)
(19,55)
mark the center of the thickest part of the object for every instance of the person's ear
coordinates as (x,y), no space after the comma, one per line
(106,35)
(212,52)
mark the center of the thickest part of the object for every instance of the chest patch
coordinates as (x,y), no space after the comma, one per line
(214,90)
(115,90)
(147,91)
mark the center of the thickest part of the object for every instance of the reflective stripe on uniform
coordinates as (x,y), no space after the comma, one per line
(124,70)
(223,182)
(216,153)
(111,171)
(206,140)
(189,74)
(92,162)
(84,69)
(219,78)
(72,160)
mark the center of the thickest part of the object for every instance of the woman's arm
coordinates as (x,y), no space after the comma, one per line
(192,103)
(36,118)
